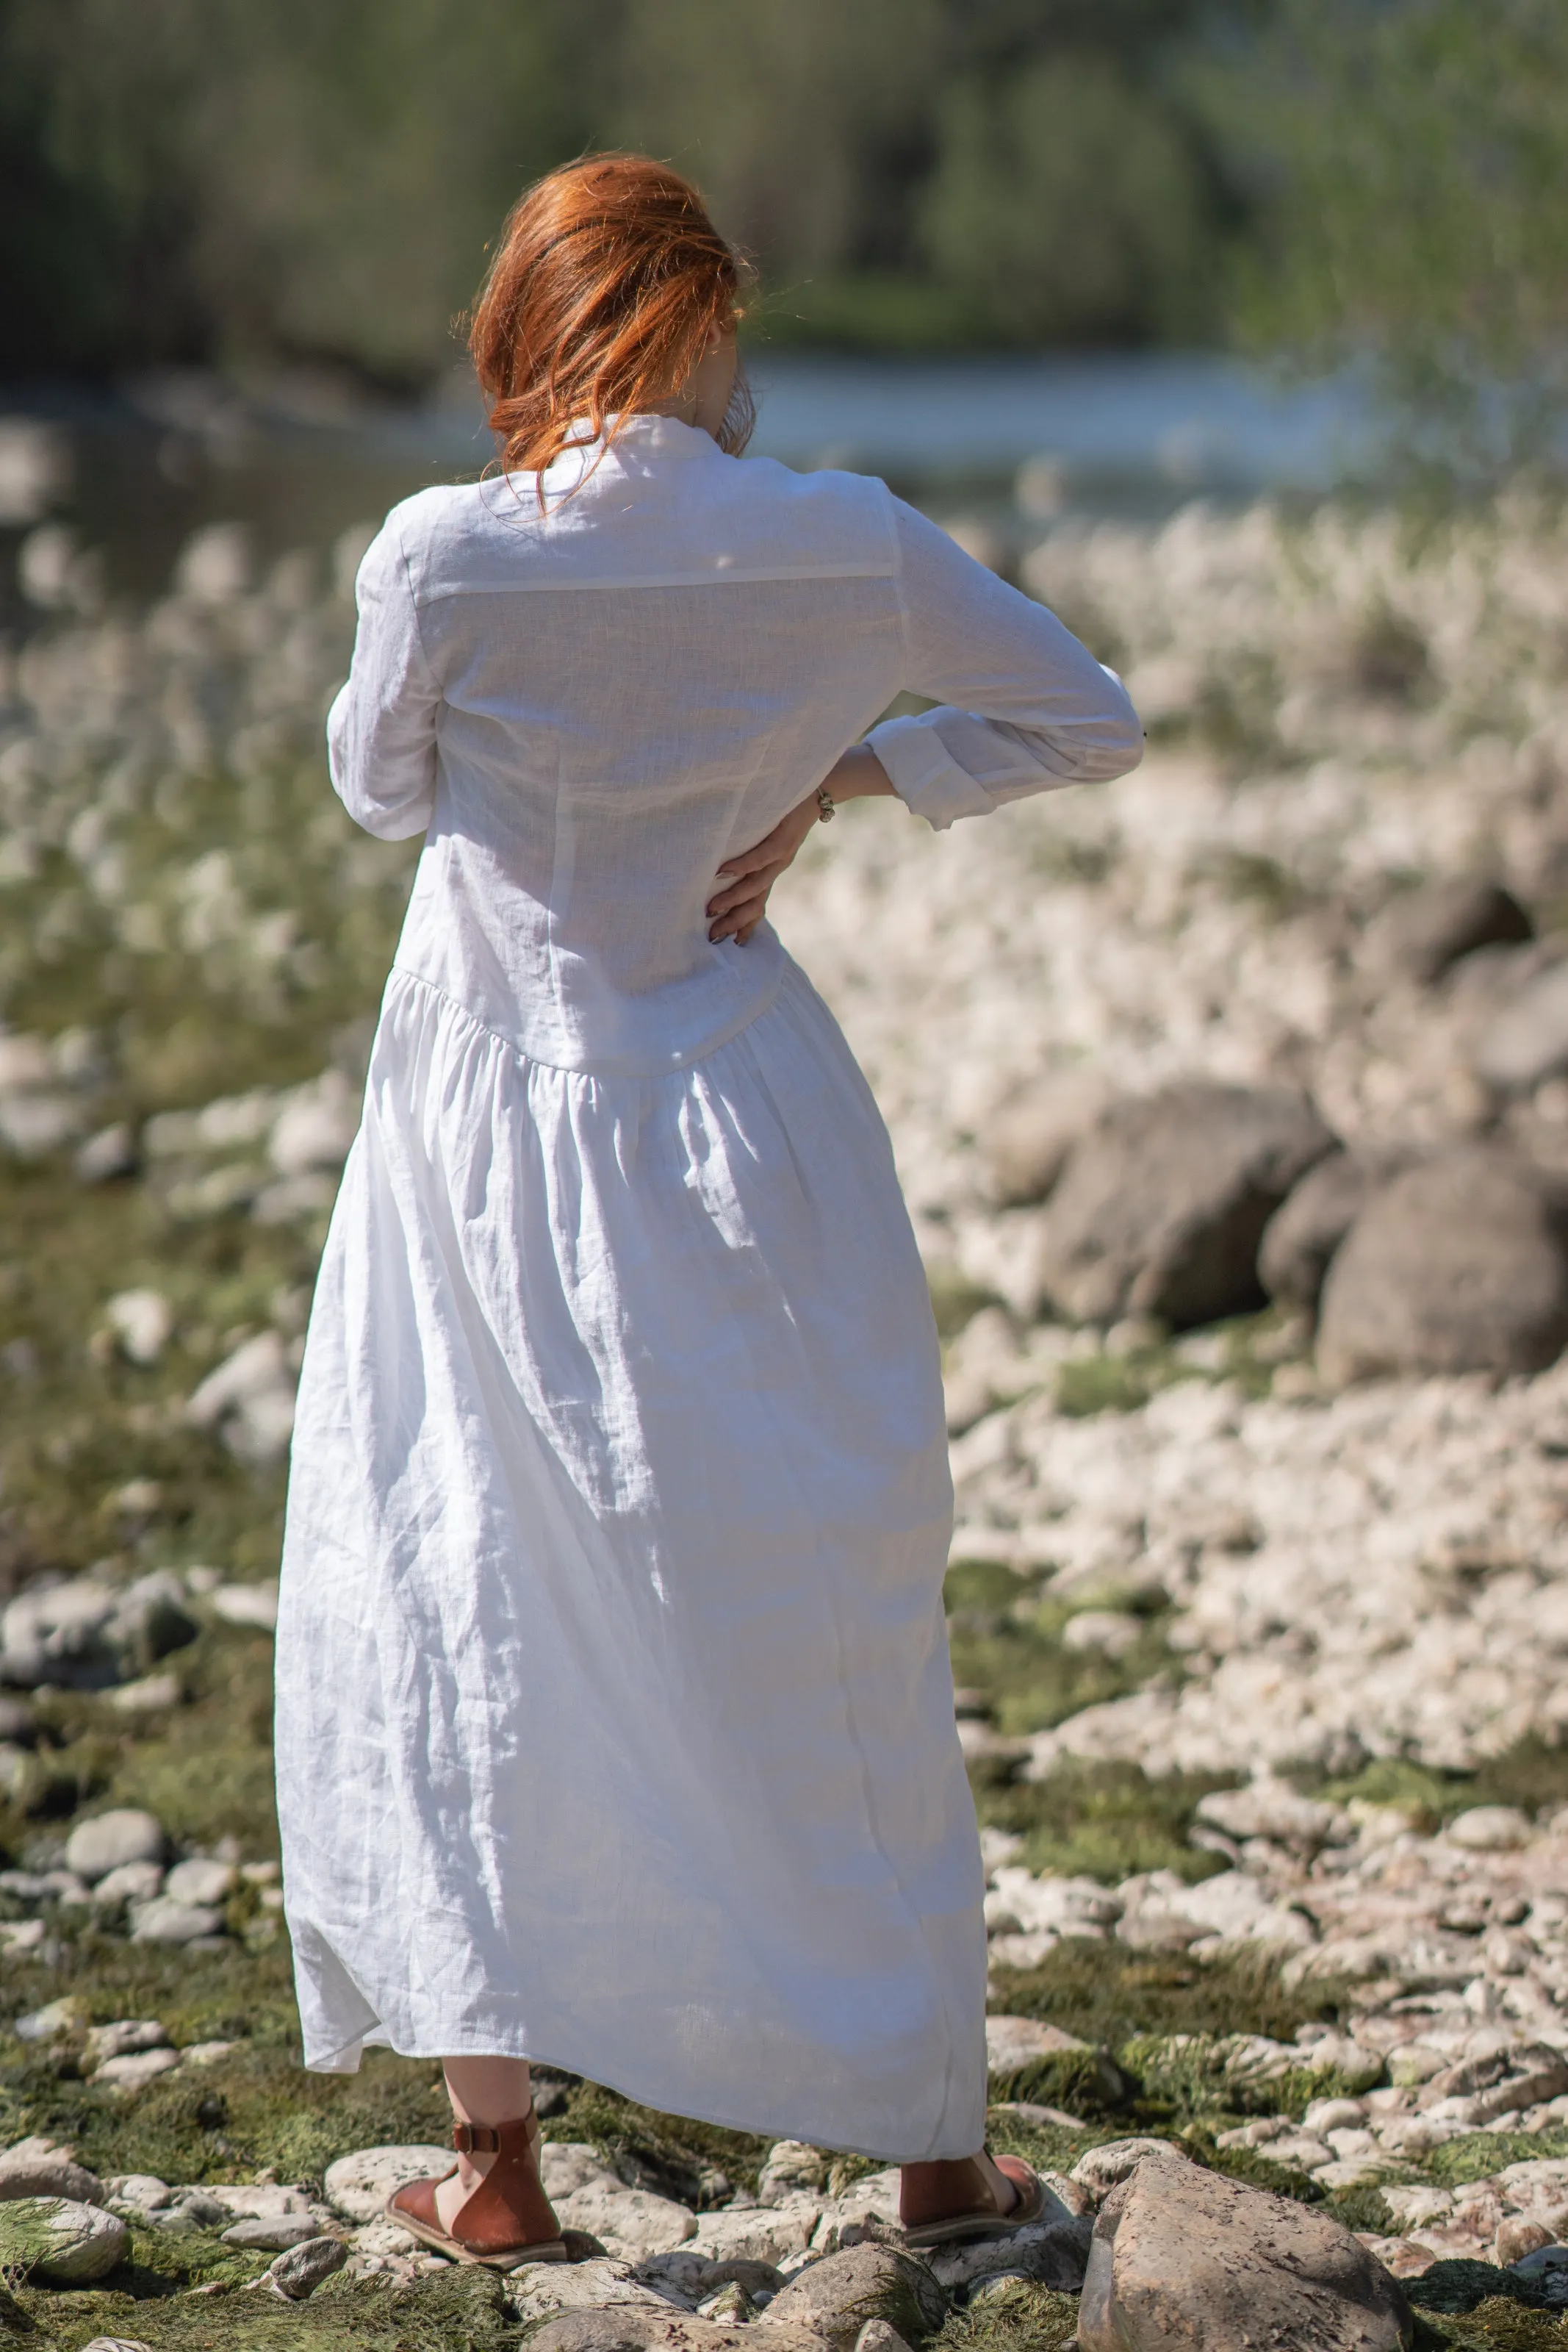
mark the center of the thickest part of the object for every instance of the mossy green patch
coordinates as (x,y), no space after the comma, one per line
(456,2310)
(1016,2318)
(1086,2082)
(1498,2324)
(670,2154)
(1108,1995)
(955,1299)
(1532,1774)
(1104,1821)
(1480,2154)
(1012,1648)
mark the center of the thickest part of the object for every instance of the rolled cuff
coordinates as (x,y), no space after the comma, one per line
(923,773)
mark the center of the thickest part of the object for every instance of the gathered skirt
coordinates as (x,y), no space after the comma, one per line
(614,1714)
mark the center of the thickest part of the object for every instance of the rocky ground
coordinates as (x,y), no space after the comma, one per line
(1232,1105)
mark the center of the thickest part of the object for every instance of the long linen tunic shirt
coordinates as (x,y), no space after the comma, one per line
(614,1717)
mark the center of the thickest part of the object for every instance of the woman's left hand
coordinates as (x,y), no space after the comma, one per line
(740,904)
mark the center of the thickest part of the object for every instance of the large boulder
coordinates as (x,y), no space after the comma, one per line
(1303,1234)
(1028,1140)
(1185,2261)
(1421,934)
(1527,1039)
(1459,1265)
(1163,1204)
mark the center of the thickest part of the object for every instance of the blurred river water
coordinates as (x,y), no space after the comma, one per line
(1017,442)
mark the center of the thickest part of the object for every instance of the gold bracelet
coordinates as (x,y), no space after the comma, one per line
(827,806)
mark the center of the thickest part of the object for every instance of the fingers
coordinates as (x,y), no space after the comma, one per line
(768,851)
(742,918)
(759,882)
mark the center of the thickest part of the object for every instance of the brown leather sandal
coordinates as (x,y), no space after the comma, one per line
(981,2220)
(507,2220)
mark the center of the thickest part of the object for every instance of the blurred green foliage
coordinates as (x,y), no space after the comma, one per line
(207,181)
(1407,165)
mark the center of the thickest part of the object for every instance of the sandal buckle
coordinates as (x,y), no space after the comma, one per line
(476,2139)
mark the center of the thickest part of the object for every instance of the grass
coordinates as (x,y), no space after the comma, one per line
(459,2311)
(1006,1640)
(1532,1775)
(1104,1821)
(1109,1995)
(1245,1349)
(1017,2318)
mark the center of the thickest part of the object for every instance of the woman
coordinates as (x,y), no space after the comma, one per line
(614,1719)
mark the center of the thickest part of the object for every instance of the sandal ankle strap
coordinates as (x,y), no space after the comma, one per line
(494,2139)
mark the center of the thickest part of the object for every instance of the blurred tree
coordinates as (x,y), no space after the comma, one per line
(799,118)
(1409,165)
(305,179)
(1070,205)
(219,181)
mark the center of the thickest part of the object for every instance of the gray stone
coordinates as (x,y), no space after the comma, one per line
(833,2296)
(1523,2075)
(199,1881)
(541,2289)
(1182,2257)
(273,2233)
(1115,2160)
(790,2168)
(1527,1040)
(628,2223)
(568,2165)
(109,1154)
(95,1848)
(125,2034)
(760,2234)
(150,1620)
(1421,934)
(166,1921)
(1541,2262)
(191,2208)
(143,2190)
(879,2335)
(1303,1234)
(135,2070)
(1459,1265)
(1161,1205)
(1027,1142)
(357,2186)
(301,2271)
(115,2344)
(37,2168)
(133,1882)
(1013,2041)
(58,1633)
(59,2240)
(730,2302)
(1052,2252)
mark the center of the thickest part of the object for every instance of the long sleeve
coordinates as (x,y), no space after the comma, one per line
(1023,707)
(381,730)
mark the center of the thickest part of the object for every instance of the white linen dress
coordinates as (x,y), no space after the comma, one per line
(614,1716)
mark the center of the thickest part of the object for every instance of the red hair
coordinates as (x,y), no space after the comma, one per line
(607,282)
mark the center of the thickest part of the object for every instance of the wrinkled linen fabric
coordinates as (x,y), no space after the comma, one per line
(614,1716)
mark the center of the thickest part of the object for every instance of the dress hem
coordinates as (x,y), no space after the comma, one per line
(377,2040)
